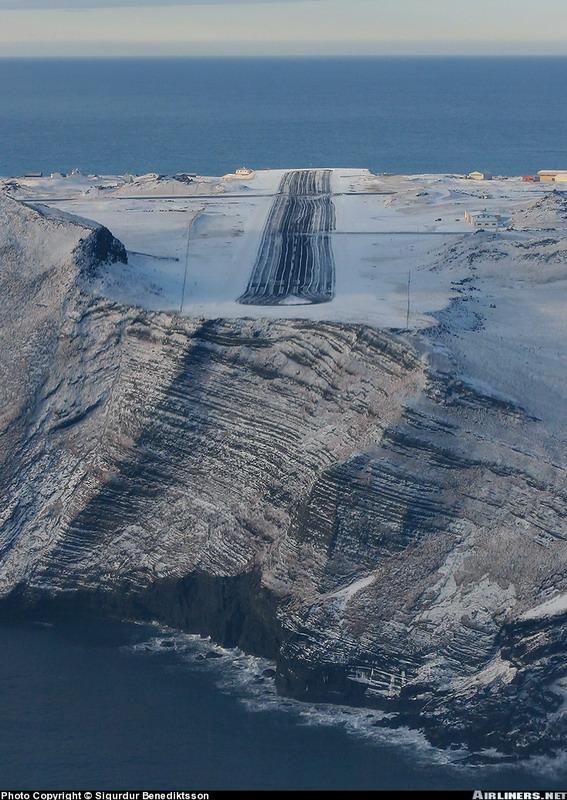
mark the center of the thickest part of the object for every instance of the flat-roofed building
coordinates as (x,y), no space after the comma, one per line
(479,176)
(550,175)
(484,220)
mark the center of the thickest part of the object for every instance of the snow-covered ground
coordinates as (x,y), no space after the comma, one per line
(192,241)
(192,244)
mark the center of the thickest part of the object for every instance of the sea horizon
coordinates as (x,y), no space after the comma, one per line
(289,57)
(208,114)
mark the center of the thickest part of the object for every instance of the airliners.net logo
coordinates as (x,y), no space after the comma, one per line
(480,795)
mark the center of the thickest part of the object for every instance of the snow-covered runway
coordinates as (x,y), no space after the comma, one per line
(295,262)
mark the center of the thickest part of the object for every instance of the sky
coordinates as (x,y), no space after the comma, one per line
(282,27)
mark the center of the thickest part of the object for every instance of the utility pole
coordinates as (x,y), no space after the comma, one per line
(183,290)
(186,273)
(409,300)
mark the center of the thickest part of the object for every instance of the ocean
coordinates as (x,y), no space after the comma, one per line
(92,704)
(506,115)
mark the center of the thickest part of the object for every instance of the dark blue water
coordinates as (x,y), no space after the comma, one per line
(79,708)
(507,115)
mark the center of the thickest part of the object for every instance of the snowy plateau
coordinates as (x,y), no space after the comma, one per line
(318,415)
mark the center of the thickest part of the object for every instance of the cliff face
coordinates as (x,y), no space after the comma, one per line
(339,498)
(46,263)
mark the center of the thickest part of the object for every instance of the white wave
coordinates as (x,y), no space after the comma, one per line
(248,678)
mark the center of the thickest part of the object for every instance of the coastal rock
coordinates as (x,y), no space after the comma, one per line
(341,499)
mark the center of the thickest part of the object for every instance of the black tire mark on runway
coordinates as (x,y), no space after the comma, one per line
(295,259)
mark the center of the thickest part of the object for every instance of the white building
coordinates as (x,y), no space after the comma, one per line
(484,220)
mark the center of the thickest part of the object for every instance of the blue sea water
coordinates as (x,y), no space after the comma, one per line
(507,115)
(88,704)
